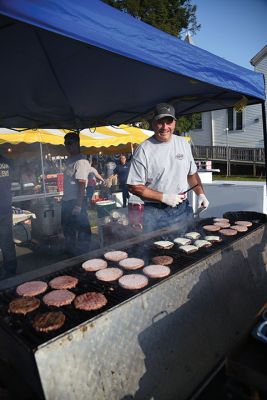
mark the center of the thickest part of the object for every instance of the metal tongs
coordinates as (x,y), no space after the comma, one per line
(188,190)
(199,210)
(196,214)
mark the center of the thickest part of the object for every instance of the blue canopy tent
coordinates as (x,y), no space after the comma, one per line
(74,64)
(77,64)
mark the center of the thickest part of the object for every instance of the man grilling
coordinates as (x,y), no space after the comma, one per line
(162,167)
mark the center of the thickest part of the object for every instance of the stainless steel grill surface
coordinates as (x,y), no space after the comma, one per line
(23,346)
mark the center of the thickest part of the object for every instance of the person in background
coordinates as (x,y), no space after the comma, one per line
(74,218)
(122,170)
(28,179)
(161,169)
(111,178)
(50,166)
(6,223)
(91,183)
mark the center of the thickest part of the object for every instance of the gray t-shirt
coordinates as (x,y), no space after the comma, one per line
(162,166)
(77,167)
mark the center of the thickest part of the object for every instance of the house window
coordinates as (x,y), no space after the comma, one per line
(198,121)
(239,121)
(230,113)
(235,120)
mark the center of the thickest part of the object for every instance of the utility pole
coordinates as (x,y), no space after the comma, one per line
(227,153)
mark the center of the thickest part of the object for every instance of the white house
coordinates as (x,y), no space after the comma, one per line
(229,128)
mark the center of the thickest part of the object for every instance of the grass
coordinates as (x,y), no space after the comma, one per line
(238,178)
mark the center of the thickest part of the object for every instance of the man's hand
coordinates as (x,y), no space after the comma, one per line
(76,210)
(202,202)
(172,199)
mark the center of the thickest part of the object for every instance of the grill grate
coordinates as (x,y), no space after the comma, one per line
(21,326)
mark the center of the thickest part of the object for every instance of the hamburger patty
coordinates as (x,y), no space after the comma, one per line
(132,263)
(202,243)
(162,260)
(182,241)
(239,228)
(90,301)
(188,249)
(49,321)
(222,224)
(109,274)
(211,228)
(32,288)
(244,223)
(23,305)
(213,239)
(156,271)
(164,244)
(192,235)
(228,232)
(220,219)
(133,281)
(115,255)
(94,265)
(63,282)
(57,298)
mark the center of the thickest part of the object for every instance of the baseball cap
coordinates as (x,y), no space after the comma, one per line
(164,110)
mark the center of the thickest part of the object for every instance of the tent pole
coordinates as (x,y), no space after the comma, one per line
(42,167)
(264,138)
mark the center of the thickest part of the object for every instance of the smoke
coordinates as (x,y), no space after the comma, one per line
(158,216)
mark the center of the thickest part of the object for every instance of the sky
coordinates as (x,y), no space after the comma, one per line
(232,29)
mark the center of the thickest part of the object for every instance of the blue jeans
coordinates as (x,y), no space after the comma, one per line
(125,194)
(160,215)
(76,228)
(89,193)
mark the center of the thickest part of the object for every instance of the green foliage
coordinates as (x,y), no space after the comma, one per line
(237,178)
(171,16)
(185,123)
(143,124)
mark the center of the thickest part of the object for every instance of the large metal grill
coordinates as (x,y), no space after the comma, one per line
(62,350)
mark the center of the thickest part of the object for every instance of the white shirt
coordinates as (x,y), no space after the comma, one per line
(162,166)
(77,168)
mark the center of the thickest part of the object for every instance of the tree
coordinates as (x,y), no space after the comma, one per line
(171,16)
(183,124)
(187,122)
